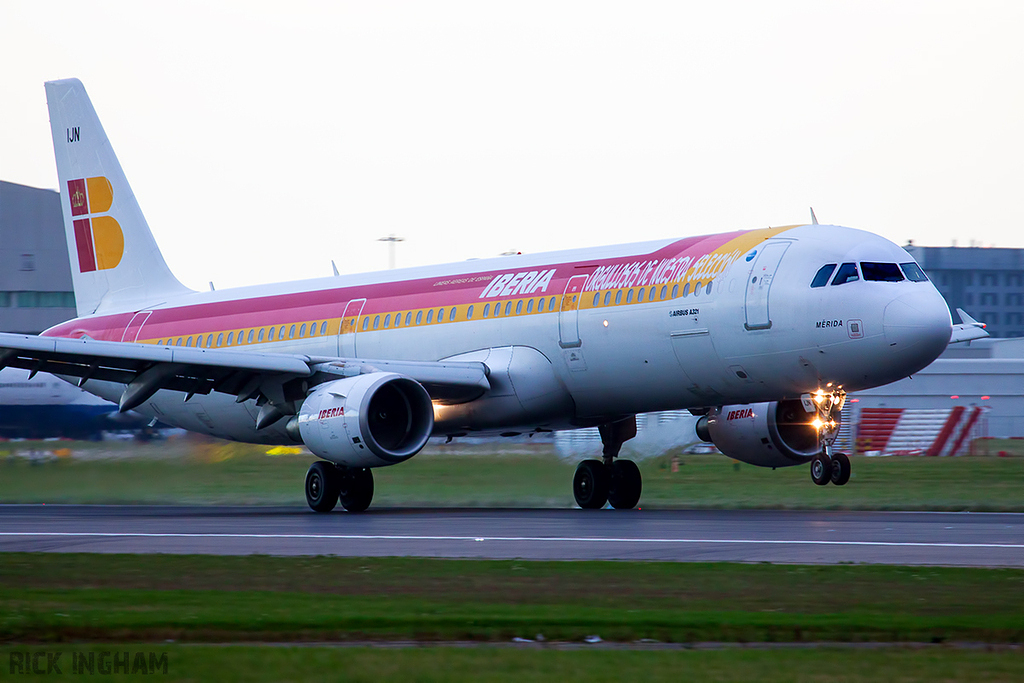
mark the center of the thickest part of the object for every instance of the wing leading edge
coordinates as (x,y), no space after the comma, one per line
(277,379)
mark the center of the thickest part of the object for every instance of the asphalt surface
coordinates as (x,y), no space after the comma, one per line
(817,537)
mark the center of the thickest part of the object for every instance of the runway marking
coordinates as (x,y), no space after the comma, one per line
(502,539)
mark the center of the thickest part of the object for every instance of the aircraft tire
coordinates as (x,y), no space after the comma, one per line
(821,469)
(625,486)
(840,469)
(322,485)
(590,484)
(356,489)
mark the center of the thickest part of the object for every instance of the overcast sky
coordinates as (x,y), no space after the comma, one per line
(264,139)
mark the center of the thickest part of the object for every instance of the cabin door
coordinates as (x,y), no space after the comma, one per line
(569,311)
(134,328)
(759,283)
(349,326)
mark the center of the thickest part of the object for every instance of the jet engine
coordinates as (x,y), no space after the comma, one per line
(371,420)
(776,434)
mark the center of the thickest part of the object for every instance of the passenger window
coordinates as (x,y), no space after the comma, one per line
(675,291)
(291,332)
(487,310)
(508,307)
(251,334)
(686,290)
(640,295)
(913,272)
(312,329)
(629,297)
(529,305)
(387,321)
(451,315)
(419,317)
(469,312)
(160,342)
(597,299)
(280,333)
(707,288)
(302,330)
(551,304)
(323,328)
(540,306)
(650,295)
(881,272)
(847,273)
(408,318)
(199,341)
(231,338)
(366,324)
(664,291)
(179,342)
(189,342)
(519,307)
(618,297)
(696,290)
(270,335)
(262,331)
(376,322)
(607,298)
(430,316)
(440,315)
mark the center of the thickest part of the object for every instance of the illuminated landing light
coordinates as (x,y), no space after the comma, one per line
(606,323)
(817,423)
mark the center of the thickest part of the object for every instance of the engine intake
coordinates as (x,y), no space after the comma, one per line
(371,420)
(776,434)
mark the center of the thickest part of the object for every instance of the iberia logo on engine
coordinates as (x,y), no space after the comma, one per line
(331,412)
(99,240)
(740,414)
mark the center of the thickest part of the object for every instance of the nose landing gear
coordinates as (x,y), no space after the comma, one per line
(828,465)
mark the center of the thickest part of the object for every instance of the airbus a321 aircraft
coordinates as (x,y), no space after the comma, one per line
(762,332)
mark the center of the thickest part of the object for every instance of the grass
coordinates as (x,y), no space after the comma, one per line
(72,597)
(196,471)
(489,664)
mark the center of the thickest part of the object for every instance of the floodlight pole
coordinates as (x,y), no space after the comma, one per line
(391,240)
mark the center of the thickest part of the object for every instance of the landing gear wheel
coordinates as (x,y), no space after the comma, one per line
(625,486)
(840,469)
(322,485)
(821,469)
(590,484)
(356,489)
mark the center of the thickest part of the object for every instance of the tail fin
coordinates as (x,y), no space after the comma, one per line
(116,265)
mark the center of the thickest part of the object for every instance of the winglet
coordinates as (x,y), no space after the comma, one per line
(968,330)
(814,219)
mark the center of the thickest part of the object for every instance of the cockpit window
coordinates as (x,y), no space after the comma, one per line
(823,274)
(913,272)
(881,272)
(847,273)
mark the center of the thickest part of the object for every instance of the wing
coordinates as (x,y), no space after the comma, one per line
(968,330)
(277,378)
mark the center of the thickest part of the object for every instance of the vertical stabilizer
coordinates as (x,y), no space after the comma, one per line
(115,263)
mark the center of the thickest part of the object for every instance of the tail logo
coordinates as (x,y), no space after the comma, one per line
(99,238)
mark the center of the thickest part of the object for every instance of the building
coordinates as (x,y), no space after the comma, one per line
(988,283)
(35,275)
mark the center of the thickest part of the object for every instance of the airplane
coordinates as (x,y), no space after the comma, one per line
(43,406)
(760,332)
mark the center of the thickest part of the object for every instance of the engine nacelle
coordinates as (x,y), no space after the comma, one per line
(371,420)
(776,434)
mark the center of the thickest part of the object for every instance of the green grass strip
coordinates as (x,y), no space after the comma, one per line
(54,598)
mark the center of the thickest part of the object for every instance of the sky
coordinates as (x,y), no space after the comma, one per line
(264,139)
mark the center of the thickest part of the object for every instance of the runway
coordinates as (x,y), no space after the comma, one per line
(815,537)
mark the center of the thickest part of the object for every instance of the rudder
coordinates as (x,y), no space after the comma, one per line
(116,265)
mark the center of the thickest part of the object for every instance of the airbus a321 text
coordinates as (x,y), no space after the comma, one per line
(761,332)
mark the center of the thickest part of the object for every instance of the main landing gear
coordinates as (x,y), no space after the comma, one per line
(828,465)
(327,483)
(618,482)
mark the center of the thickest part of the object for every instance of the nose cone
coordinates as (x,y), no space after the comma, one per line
(917,328)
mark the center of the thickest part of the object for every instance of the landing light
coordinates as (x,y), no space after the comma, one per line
(606,323)
(817,423)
